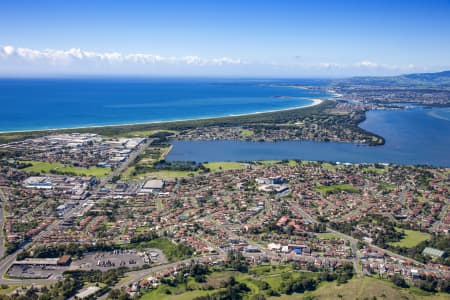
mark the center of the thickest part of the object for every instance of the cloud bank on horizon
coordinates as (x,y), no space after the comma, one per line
(18,61)
(75,54)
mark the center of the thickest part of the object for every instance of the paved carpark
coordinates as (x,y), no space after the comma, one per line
(35,271)
(118,258)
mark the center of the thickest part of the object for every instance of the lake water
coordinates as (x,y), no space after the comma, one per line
(413,136)
(29,104)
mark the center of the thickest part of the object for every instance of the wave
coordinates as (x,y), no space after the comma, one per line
(438,115)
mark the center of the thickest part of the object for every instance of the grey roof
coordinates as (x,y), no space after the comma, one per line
(433,252)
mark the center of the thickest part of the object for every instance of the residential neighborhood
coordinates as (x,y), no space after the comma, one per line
(311,214)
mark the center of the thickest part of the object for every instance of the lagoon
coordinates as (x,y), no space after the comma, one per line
(414,136)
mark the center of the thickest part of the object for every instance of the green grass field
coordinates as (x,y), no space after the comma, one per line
(412,238)
(47,167)
(386,187)
(375,170)
(367,288)
(213,166)
(224,165)
(162,295)
(246,132)
(269,163)
(169,174)
(336,188)
(329,167)
(329,236)
(170,250)
(357,288)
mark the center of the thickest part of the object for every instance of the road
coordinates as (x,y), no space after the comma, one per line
(3,201)
(442,215)
(355,241)
(238,237)
(7,261)
(136,276)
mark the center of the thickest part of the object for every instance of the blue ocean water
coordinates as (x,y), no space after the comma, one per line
(29,104)
(414,136)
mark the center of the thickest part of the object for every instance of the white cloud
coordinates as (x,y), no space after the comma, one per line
(26,61)
(367,64)
(325,65)
(75,55)
(8,50)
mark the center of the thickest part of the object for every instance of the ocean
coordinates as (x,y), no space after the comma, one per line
(31,104)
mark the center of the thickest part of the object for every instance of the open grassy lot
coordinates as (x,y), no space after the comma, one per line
(367,288)
(169,174)
(59,168)
(268,163)
(246,132)
(292,163)
(172,251)
(386,187)
(11,288)
(376,170)
(162,295)
(329,167)
(412,238)
(326,235)
(225,165)
(336,188)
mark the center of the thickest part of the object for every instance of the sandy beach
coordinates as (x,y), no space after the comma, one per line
(314,103)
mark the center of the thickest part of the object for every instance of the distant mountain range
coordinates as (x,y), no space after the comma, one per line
(439,79)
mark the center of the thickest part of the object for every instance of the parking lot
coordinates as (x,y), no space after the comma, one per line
(47,268)
(118,258)
(27,271)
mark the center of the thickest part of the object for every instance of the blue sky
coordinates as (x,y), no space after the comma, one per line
(223,38)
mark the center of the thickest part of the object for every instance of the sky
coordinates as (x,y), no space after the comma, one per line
(265,38)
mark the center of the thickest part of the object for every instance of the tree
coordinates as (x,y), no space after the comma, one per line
(399,281)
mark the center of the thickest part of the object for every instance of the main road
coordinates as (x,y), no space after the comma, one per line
(7,261)
(3,201)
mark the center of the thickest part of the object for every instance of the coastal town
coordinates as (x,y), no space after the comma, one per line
(225,150)
(82,202)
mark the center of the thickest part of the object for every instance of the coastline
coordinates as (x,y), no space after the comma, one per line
(316,101)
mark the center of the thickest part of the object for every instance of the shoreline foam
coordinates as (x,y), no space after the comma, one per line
(315,102)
